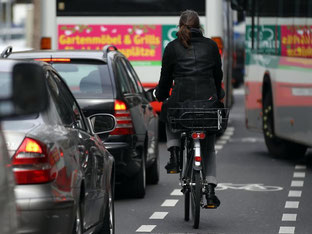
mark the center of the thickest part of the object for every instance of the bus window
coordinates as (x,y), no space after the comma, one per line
(127,7)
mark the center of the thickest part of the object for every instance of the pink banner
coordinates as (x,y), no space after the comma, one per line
(296,41)
(137,42)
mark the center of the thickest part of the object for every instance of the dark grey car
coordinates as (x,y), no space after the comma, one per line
(64,174)
(12,99)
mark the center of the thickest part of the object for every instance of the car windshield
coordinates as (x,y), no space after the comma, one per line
(85,79)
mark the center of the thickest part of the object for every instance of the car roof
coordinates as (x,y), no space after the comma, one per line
(7,64)
(73,54)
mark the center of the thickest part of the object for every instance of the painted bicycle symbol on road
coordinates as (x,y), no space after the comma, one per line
(249,187)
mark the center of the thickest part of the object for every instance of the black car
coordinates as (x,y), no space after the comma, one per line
(105,81)
(64,175)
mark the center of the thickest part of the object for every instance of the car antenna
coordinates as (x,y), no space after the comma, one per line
(6,52)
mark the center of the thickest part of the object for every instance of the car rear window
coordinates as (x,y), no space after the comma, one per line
(86,79)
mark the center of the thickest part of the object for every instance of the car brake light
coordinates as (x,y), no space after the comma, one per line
(45,43)
(31,164)
(124,121)
(62,60)
(219,42)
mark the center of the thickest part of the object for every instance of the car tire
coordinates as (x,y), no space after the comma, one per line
(137,185)
(109,216)
(276,146)
(78,222)
(153,170)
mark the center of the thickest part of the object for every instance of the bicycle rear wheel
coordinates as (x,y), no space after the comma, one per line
(195,197)
(187,205)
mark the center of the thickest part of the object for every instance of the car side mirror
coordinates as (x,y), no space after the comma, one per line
(28,93)
(102,123)
(150,95)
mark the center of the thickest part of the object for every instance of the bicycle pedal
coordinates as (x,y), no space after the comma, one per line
(172,172)
(210,206)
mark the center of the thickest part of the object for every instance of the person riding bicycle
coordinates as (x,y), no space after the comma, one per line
(193,63)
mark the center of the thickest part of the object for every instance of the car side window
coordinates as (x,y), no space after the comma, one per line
(60,103)
(134,77)
(78,119)
(122,77)
(66,104)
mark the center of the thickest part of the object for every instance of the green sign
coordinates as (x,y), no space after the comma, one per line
(168,34)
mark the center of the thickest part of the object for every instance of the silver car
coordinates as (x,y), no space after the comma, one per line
(64,174)
(12,98)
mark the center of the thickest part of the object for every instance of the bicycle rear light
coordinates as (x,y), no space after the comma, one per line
(198,135)
(198,158)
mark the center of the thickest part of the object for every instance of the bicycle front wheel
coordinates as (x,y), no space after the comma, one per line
(196,194)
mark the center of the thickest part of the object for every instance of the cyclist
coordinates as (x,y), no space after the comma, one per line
(193,62)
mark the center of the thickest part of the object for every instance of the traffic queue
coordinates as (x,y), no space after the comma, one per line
(74,126)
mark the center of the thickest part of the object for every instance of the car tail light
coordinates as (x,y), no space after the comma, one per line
(219,42)
(31,163)
(124,121)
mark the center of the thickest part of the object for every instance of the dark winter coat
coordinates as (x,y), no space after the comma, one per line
(193,73)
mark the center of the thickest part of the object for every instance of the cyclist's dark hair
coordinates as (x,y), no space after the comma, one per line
(188,19)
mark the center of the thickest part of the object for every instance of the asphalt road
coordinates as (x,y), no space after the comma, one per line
(258,193)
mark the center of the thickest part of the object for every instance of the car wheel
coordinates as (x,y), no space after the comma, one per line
(78,228)
(275,145)
(153,170)
(109,217)
(137,185)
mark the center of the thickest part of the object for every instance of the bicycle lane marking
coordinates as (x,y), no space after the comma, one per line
(295,184)
(146,228)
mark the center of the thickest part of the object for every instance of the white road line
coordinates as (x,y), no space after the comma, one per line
(300,167)
(169,203)
(287,230)
(289,217)
(146,228)
(296,183)
(158,215)
(176,192)
(229,133)
(230,129)
(292,204)
(218,147)
(294,193)
(299,174)
(221,142)
(225,137)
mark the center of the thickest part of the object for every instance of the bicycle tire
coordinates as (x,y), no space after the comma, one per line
(187,205)
(196,197)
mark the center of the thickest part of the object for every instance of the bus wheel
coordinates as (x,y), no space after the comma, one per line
(276,146)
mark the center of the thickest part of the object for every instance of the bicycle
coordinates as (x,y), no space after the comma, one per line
(194,124)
